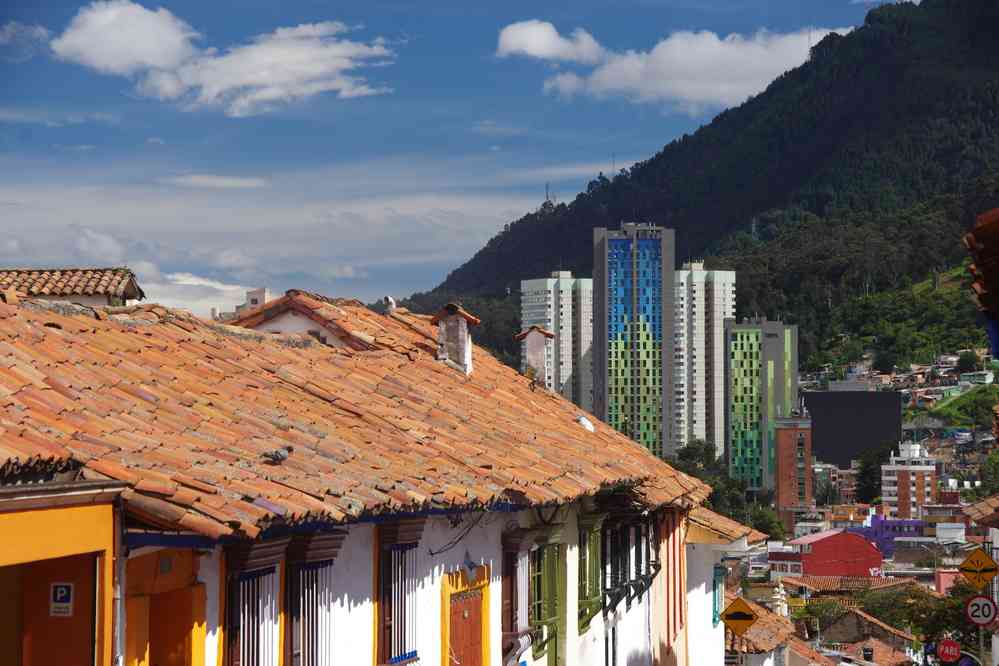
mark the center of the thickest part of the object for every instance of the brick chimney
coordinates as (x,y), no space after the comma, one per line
(454,338)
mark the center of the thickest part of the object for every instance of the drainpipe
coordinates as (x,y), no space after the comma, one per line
(119,585)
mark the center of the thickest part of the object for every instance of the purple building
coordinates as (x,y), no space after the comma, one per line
(883,532)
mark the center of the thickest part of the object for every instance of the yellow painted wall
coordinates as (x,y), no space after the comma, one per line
(10,616)
(26,536)
(163,571)
(137,631)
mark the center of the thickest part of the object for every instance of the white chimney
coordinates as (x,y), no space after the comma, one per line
(538,353)
(454,340)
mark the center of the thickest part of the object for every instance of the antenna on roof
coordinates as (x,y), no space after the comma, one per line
(547,195)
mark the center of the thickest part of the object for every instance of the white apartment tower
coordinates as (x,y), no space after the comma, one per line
(563,305)
(704,300)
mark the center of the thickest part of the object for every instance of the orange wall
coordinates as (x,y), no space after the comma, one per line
(26,536)
(48,640)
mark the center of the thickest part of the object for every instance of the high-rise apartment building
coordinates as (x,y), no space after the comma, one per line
(704,300)
(908,481)
(633,273)
(794,490)
(761,381)
(563,305)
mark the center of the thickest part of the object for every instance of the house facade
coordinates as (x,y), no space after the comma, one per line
(387,495)
(829,553)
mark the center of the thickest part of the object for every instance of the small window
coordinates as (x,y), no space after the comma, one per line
(718,594)
(311,611)
(547,577)
(253,618)
(590,594)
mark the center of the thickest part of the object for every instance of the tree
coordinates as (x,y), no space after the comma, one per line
(826,493)
(869,474)
(728,496)
(764,519)
(968,361)
(989,475)
(885,360)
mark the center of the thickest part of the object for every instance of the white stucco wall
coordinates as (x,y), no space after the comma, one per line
(707,638)
(294,322)
(765,659)
(208,573)
(90,301)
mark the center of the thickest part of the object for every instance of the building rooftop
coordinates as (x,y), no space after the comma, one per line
(812,538)
(844,583)
(227,432)
(768,632)
(725,527)
(55,282)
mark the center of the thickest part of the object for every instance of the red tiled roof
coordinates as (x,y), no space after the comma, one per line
(726,527)
(887,627)
(806,651)
(186,412)
(767,633)
(119,282)
(844,583)
(986,512)
(523,334)
(884,654)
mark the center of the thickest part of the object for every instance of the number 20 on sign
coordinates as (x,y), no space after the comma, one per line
(980,610)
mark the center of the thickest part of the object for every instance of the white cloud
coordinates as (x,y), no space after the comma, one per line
(540,39)
(99,248)
(192,292)
(214,182)
(51,118)
(342,272)
(121,37)
(687,70)
(286,65)
(493,128)
(19,42)
(155,141)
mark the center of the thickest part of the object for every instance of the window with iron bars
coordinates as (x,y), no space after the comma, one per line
(398,611)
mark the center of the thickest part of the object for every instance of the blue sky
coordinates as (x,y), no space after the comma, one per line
(357,149)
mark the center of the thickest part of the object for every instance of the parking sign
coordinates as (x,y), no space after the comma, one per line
(61,600)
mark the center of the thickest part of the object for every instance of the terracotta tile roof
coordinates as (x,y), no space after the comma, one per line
(766,634)
(844,583)
(725,527)
(196,417)
(986,512)
(523,334)
(43,282)
(886,627)
(806,651)
(884,654)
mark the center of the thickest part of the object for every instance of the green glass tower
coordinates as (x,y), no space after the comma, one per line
(761,386)
(633,292)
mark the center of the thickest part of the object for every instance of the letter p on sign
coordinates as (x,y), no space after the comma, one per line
(61,600)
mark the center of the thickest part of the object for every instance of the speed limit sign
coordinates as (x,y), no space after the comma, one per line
(980,610)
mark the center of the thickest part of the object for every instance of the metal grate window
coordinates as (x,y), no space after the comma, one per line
(254,618)
(398,599)
(312,614)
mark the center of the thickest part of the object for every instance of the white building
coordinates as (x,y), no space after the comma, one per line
(908,481)
(563,305)
(704,299)
(710,539)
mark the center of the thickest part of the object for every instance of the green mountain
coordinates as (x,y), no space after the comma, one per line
(866,136)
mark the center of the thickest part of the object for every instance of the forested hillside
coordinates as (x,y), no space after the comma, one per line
(847,176)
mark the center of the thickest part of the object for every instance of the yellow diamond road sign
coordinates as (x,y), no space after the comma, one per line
(739,616)
(979,568)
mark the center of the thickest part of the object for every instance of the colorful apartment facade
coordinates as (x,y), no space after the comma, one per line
(633,332)
(908,481)
(354,492)
(761,374)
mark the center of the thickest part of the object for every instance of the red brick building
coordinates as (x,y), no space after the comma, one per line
(829,553)
(793,492)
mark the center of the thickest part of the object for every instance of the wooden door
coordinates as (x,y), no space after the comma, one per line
(466,629)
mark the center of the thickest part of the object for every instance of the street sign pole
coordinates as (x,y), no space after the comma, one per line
(981,645)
